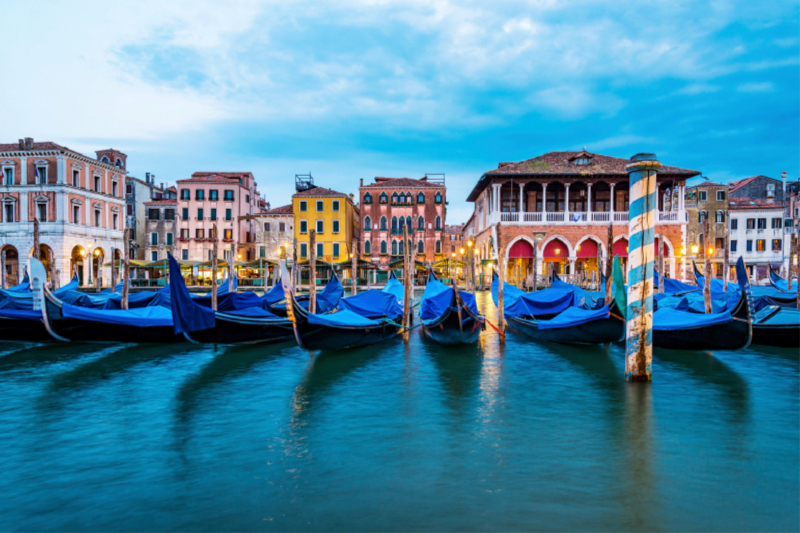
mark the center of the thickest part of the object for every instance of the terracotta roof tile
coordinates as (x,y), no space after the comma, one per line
(222,174)
(14,147)
(389,183)
(320,191)
(736,185)
(740,204)
(283,210)
(706,184)
(561,163)
(165,201)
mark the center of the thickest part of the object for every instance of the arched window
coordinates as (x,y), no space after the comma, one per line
(394,198)
(384,197)
(266,226)
(367,223)
(438,222)
(702,215)
(367,248)
(401,249)
(438,198)
(368,198)
(421,247)
(409,198)
(421,223)
(383,247)
(105,160)
(383,223)
(438,246)
(720,216)
(394,247)
(409,224)
(118,163)
(394,224)
(421,198)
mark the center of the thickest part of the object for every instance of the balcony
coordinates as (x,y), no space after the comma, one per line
(580,217)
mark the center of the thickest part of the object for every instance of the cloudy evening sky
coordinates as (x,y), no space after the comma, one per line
(357,89)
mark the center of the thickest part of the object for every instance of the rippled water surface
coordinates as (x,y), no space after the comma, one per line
(519,436)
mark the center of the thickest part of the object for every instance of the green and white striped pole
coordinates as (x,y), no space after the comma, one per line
(642,171)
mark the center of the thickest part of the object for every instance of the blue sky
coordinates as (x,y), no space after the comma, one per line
(356,89)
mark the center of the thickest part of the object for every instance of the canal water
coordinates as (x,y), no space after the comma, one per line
(414,437)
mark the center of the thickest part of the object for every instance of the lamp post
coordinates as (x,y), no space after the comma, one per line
(91,261)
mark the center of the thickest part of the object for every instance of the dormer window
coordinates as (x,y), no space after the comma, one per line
(583,161)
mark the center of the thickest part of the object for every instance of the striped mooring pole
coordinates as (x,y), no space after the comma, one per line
(642,172)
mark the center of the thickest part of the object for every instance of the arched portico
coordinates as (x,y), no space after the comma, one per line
(12,270)
(519,261)
(556,251)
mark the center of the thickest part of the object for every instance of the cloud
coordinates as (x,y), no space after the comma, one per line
(699,88)
(764,87)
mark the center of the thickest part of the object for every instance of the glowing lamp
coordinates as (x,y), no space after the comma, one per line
(710,251)
(683,250)
(558,251)
(462,250)
(695,248)
(83,253)
(469,244)
(578,248)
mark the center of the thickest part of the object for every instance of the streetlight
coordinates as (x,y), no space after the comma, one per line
(91,261)
(695,249)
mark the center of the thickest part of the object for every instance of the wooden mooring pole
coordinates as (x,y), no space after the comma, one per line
(726,269)
(214,252)
(535,263)
(354,268)
(312,271)
(295,268)
(501,280)
(609,261)
(406,286)
(706,268)
(231,267)
(36,238)
(126,276)
(113,272)
(642,172)
(661,275)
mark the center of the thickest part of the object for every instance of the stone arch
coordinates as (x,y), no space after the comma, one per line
(13,271)
(564,240)
(593,238)
(667,245)
(76,263)
(618,248)
(517,239)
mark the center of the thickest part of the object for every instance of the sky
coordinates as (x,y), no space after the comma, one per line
(350,90)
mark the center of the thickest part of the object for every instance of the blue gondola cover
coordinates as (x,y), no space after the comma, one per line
(666,319)
(520,304)
(395,288)
(438,297)
(144,317)
(574,316)
(187,315)
(343,319)
(373,304)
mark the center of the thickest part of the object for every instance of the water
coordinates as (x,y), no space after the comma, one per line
(419,437)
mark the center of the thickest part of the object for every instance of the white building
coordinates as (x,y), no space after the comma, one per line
(274,231)
(757,234)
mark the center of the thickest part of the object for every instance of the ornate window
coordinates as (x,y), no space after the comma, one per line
(438,197)
(383,247)
(421,247)
(421,223)
(438,223)
(383,223)
(367,248)
(409,224)
(394,225)
(384,198)
(394,247)
(394,198)
(41,171)
(401,248)
(438,248)
(421,198)
(367,198)
(367,223)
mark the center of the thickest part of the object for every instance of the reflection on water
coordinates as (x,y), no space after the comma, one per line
(497,436)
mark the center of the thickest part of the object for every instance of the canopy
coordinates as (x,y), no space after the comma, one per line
(394,287)
(517,303)
(583,298)
(438,298)
(778,316)
(186,314)
(574,316)
(666,319)
(673,286)
(144,317)
(343,319)
(373,304)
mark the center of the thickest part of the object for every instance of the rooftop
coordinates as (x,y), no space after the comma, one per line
(736,185)
(320,191)
(387,183)
(566,164)
(216,177)
(282,210)
(705,184)
(165,201)
(741,204)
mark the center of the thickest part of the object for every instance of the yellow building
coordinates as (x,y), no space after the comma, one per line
(335,218)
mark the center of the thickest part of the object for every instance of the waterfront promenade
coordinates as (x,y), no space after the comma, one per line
(501,437)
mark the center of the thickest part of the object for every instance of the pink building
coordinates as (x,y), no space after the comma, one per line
(216,197)
(79,201)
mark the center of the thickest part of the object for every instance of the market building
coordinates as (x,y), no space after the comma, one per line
(78,200)
(221,198)
(562,203)
(391,204)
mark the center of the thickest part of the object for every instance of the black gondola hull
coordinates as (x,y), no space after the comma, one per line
(22,330)
(601,331)
(232,330)
(445,329)
(77,330)
(780,336)
(732,335)
(315,337)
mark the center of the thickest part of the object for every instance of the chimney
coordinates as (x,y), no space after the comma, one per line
(362,182)
(147,177)
(783,181)
(21,144)
(29,143)
(162,185)
(351,198)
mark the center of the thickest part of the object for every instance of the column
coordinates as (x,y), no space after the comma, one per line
(641,261)
(544,201)
(61,169)
(521,200)
(566,201)
(572,261)
(23,176)
(589,202)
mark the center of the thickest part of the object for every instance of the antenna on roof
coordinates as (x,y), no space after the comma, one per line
(704,177)
(303,182)
(435,178)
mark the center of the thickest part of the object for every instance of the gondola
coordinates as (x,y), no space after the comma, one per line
(552,315)
(781,284)
(200,324)
(777,326)
(18,320)
(367,318)
(448,315)
(727,330)
(327,299)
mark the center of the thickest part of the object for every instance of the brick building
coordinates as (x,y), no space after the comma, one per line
(707,199)
(562,203)
(223,198)
(78,200)
(389,205)
(454,241)
(759,188)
